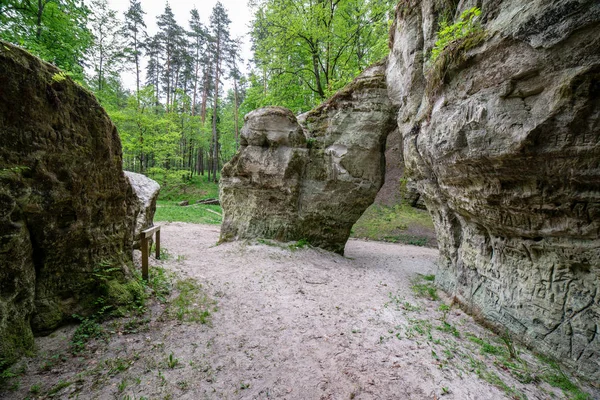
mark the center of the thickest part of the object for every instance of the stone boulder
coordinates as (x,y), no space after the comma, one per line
(146,192)
(502,136)
(260,186)
(312,177)
(65,204)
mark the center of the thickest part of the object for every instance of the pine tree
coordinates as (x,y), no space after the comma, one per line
(221,49)
(172,39)
(135,35)
(198,41)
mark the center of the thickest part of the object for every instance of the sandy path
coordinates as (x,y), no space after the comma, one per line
(303,324)
(308,324)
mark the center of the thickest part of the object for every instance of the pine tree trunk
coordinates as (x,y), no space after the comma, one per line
(235,114)
(215,112)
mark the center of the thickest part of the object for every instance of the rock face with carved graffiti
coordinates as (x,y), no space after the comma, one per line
(66,209)
(502,134)
(309,178)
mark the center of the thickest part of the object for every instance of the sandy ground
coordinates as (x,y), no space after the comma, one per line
(301,324)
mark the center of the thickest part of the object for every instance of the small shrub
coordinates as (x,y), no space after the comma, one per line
(466,25)
(59,77)
(87,330)
(35,389)
(300,244)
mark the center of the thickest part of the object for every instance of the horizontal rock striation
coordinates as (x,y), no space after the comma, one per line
(313,177)
(504,145)
(65,206)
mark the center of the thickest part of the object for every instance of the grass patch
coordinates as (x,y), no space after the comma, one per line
(396,224)
(169,211)
(197,188)
(58,387)
(423,286)
(191,304)
(449,328)
(555,377)
(300,244)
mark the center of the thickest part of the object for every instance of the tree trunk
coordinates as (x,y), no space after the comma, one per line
(40,12)
(215,111)
(235,114)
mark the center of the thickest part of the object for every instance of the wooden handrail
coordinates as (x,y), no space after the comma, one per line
(144,236)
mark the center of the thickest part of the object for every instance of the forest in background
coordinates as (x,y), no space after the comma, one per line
(183,118)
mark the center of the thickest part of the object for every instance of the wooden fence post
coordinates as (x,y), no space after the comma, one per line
(157,244)
(144,257)
(145,250)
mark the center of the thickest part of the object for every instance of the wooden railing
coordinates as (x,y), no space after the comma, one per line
(144,237)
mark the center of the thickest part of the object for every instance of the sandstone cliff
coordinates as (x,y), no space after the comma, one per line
(65,206)
(313,177)
(502,134)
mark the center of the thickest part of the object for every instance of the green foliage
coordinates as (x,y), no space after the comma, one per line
(56,31)
(558,379)
(35,389)
(449,51)
(88,329)
(160,283)
(449,328)
(423,287)
(465,26)
(58,387)
(305,52)
(172,361)
(300,244)
(59,77)
(192,304)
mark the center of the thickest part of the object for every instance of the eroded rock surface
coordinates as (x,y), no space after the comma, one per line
(506,151)
(313,177)
(146,192)
(65,205)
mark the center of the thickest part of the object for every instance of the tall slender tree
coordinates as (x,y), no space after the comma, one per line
(198,41)
(107,47)
(221,49)
(172,39)
(135,35)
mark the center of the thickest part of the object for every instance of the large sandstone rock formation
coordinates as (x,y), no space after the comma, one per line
(65,206)
(313,177)
(506,150)
(146,192)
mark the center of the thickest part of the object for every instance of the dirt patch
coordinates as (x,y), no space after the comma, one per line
(292,323)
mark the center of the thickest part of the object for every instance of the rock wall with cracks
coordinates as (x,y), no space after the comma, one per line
(66,209)
(506,151)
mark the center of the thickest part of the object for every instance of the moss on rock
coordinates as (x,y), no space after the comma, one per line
(65,204)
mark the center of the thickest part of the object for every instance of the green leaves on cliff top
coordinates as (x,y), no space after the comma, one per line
(466,25)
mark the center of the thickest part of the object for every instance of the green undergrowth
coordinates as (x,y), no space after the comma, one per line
(170,211)
(196,188)
(397,224)
(183,299)
(193,190)
(191,303)
(461,349)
